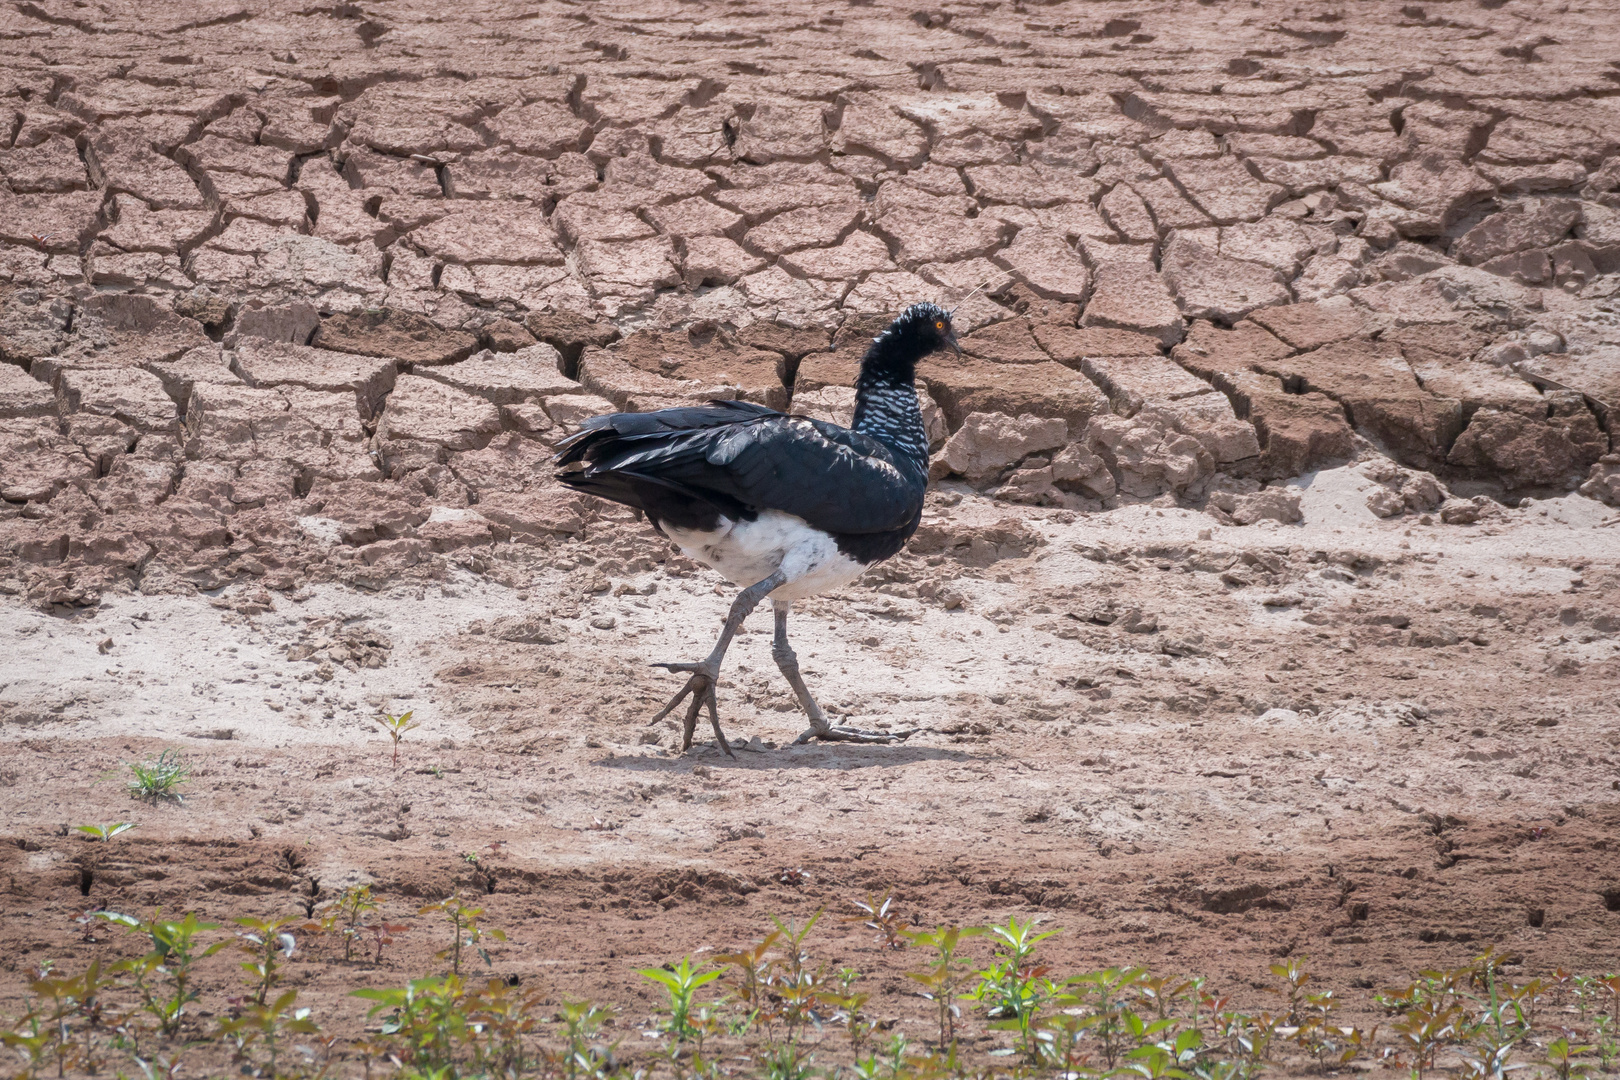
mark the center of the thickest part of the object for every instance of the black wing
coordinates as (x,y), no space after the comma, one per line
(736,457)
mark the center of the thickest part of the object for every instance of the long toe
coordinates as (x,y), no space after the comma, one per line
(698,693)
(855,735)
(698,686)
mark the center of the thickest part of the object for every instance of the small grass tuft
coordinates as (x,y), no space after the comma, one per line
(159,779)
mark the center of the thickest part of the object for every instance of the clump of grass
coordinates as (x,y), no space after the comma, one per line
(159,779)
(396,726)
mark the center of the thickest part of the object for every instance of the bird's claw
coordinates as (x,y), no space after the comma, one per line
(701,688)
(854,735)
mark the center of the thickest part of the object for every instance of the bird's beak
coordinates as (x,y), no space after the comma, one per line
(950,339)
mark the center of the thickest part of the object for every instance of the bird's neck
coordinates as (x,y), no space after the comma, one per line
(886,410)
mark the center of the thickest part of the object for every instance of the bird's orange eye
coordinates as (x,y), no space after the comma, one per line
(939,326)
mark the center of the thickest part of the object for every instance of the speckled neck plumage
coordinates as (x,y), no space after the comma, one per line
(888,412)
(885,393)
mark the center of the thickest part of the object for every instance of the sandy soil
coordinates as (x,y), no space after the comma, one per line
(296,301)
(1281,767)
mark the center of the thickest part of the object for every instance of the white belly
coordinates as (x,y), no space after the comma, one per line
(745,552)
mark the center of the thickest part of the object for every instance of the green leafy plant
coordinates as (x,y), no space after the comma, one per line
(396,726)
(1113,1024)
(164,978)
(346,917)
(1561,1055)
(942,979)
(750,975)
(502,1017)
(259,1033)
(849,1007)
(468,934)
(1104,998)
(680,982)
(1014,989)
(584,1058)
(795,986)
(159,779)
(1424,1031)
(1294,976)
(162,1066)
(36,1041)
(105,833)
(427,1019)
(65,1020)
(880,915)
(268,944)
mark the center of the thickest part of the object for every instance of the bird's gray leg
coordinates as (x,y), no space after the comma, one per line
(785,659)
(706,672)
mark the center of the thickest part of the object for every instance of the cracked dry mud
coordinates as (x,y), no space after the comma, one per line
(1266,600)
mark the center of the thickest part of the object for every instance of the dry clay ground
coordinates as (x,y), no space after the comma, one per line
(295,301)
(1382,745)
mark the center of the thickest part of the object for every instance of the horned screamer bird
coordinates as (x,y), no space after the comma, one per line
(785,506)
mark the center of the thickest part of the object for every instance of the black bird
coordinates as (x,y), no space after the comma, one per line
(786,506)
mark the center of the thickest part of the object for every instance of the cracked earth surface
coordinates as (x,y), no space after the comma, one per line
(1266,599)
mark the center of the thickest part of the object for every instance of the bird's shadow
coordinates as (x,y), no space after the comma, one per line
(848,756)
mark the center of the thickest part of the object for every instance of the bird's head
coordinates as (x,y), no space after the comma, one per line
(921,329)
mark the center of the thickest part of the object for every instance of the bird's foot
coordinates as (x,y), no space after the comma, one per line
(701,688)
(854,735)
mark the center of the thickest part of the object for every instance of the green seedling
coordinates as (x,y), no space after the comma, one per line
(105,833)
(1103,997)
(1152,1063)
(750,978)
(584,1057)
(849,1007)
(259,1034)
(880,915)
(1117,1024)
(1014,990)
(346,916)
(163,977)
(1294,976)
(1607,1039)
(427,1019)
(1161,994)
(942,980)
(796,988)
(159,779)
(1425,1031)
(889,1062)
(396,726)
(786,1061)
(1327,1042)
(1488,1063)
(1561,1054)
(503,1018)
(162,1066)
(268,944)
(680,982)
(37,1043)
(468,934)
(69,1014)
